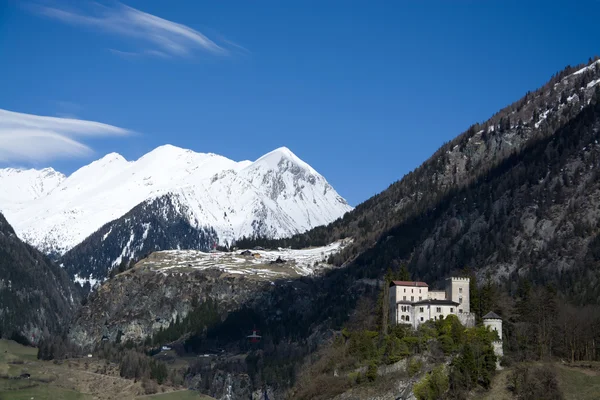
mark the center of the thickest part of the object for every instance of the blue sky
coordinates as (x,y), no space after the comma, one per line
(363,91)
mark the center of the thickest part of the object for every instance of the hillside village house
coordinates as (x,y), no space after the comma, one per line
(413,303)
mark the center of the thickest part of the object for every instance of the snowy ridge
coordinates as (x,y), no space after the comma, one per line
(585,69)
(277,195)
(261,263)
(20,186)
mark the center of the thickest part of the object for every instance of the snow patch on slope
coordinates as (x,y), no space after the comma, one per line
(584,69)
(301,262)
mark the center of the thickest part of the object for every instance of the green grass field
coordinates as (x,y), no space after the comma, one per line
(579,383)
(575,384)
(180,395)
(71,380)
(16,359)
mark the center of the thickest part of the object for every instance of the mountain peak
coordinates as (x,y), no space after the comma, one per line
(169,150)
(110,157)
(272,160)
(280,191)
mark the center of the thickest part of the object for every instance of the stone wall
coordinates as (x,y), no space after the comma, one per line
(467,319)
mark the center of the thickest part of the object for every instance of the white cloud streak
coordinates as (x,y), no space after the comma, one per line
(33,138)
(166,38)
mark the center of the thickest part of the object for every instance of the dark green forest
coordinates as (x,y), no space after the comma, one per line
(36,296)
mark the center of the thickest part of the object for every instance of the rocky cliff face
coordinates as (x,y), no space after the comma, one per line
(164,287)
(138,303)
(231,386)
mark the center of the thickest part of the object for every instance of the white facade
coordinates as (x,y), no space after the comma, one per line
(432,310)
(413,303)
(493,322)
(437,294)
(494,325)
(457,289)
(410,291)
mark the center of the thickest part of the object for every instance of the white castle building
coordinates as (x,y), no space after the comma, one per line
(413,303)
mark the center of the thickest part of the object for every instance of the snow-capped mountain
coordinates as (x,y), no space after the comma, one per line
(20,186)
(277,195)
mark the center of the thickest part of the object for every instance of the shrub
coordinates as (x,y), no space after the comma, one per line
(149,386)
(372,372)
(433,386)
(530,383)
(414,367)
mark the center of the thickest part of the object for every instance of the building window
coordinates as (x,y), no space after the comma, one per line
(412,298)
(459,290)
(402,318)
(412,290)
(404,298)
(438,309)
(420,298)
(421,318)
(404,290)
(460,299)
(407,318)
(419,290)
(460,310)
(451,309)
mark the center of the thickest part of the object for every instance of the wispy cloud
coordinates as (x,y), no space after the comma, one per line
(162,37)
(137,54)
(33,138)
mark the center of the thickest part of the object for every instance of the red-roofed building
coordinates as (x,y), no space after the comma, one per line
(408,283)
(411,302)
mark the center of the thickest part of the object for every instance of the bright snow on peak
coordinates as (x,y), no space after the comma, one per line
(19,186)
(277,195)
(273,159)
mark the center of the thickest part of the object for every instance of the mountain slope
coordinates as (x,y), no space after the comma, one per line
(535,216)
(22,186)
(155,224)
(457,164)
(36,296)
(276,196)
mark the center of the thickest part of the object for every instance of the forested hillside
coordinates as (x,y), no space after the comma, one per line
(496,198)
(36,296)
(153,225)
(459,163)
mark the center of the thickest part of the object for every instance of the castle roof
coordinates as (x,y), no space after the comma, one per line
(491,315)
(436,302)
(409,283)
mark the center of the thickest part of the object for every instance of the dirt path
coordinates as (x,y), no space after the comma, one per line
(498,389)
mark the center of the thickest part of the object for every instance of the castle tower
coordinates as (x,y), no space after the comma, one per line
(493,322)
(457,289)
